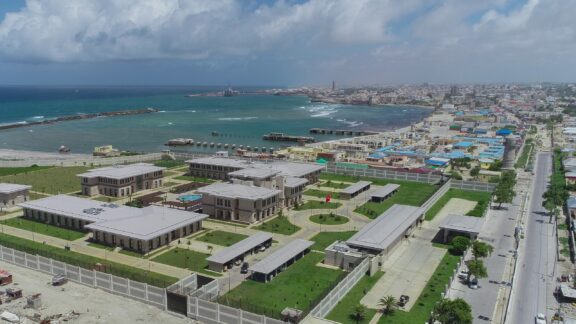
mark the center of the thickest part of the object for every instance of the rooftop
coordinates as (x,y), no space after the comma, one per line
(254,173)
(235,190)
(139,223)
(285,168)
(121,171)
(385,191)
(230,253)
(462,223)
(292,182)
(281,256)
(385,229)
(8,188)
(356,186)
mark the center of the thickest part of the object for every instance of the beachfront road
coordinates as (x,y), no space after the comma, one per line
(535,278)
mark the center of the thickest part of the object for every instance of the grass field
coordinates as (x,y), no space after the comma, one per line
(12,171)
(280,225)
(169,163)
(298,286)
(221,238)
(35,195)
(329,219)
(86,261)
(45,229)
(51,181)
(323,239)
(316,204)
(321,193)
(528,147)
(483,199)
(133,254)
(431,294)
(186,259)
(101,246)
(565,246)
(194,179)
(341,312)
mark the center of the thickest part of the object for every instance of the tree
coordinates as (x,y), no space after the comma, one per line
(481,249)
(477,269)
(389,304)
(358,313)
(475,171)
(456,311)
(459,244)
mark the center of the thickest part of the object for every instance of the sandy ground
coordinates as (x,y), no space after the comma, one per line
(93,305)
(12,155)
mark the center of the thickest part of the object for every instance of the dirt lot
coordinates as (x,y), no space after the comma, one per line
(92,305)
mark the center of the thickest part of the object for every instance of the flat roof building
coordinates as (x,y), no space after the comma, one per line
(12,194)
(381,194)
(239,202)
(224,259)
(271,265)
(138,229)
(461,225)
(121,180)
(355,189)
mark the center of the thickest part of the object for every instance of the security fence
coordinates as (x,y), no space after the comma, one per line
(121,286)
(385,174)
(343,287)
(91,161)
(209,312)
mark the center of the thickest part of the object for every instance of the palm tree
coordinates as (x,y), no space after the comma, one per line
(388,303)
(358,313)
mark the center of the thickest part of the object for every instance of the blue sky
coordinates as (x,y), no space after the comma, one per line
(306,42)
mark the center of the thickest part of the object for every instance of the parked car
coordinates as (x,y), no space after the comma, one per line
(540,318)
(261,248)
(403,300)
(244,268)
(473,283)
(59,280)
(238,262)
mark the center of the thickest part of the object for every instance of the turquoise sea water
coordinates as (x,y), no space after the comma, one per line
(241,119)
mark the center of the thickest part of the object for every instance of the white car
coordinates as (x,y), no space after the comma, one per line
(540,318)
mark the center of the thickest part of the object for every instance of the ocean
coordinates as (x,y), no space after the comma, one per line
(240,120)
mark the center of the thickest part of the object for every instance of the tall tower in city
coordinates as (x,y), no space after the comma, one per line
(333,85)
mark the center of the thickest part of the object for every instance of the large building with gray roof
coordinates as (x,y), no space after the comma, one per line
(240,202)
(137,229)
(121,180)
(12,194)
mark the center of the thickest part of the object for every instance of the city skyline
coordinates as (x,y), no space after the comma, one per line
(285,43)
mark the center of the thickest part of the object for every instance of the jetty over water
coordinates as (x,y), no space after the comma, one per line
(325,131)
(80,116)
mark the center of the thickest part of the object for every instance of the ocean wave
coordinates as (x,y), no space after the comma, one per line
(323,113)
(237,118)
(37,117)
(161,111)
(350,123)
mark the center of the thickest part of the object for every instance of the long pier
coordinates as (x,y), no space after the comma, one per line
(79,117)
(344,132)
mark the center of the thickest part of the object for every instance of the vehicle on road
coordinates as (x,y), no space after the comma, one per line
(540,318)
(403,300)
(244,268)
(473,283)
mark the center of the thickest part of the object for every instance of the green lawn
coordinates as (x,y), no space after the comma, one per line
(341,312)
(186,259)
(12,171)
(194,179)
(133,254)
(42,228)
(483,199)
(299,286)
(523,158)
(420,312)
(565,246)
(316,204)
(333,184)
(219,221)
(170,184)
(51,181)
(86,261)
(35,195)
(221,238)
(321,193)
(169,163)
(329,219)
(101,246)
(280,225)
(324,239)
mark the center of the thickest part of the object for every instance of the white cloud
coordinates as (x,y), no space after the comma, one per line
(86,30)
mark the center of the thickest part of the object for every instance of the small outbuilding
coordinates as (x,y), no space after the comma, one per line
(461,225)
(355,189)
(270,266)
(224,259)
(384,193)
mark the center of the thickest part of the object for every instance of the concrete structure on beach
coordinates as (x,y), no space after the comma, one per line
(13,194)
(121,180)
(138,229)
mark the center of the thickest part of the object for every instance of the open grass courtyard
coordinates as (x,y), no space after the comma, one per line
(329,219)
(317,204)
(323,239)
(280,225)
(483,199)
(42,228)
(50,180)
(302,284)
(186,259)
(221,238)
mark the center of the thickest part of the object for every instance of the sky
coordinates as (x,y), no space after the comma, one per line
(285,42)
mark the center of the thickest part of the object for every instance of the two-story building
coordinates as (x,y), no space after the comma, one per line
(12,194)
(121,180)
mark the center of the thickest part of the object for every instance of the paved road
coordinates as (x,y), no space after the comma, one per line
(534,282)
